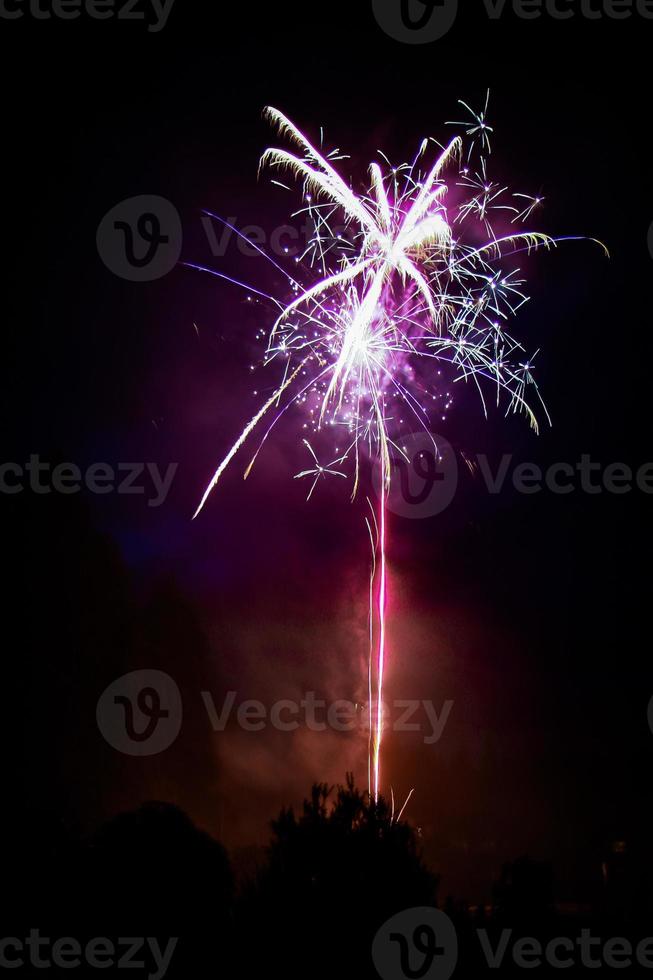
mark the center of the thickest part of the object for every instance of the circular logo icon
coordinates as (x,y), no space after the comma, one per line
(140,239)
(423,476)
(419,942)
(140,714)
(416,21)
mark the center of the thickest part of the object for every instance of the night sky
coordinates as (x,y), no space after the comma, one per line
(529,612)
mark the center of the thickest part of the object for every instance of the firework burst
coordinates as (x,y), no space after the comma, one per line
(420,273)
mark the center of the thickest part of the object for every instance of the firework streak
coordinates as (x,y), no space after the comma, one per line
(416,277)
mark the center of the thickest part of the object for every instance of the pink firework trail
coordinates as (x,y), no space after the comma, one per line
(383,587)
(418,272)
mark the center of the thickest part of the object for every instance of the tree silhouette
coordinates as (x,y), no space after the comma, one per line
(334,875)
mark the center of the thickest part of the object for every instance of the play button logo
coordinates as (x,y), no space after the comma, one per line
(416,21)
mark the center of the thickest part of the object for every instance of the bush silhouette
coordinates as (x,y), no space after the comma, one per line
(334,875)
